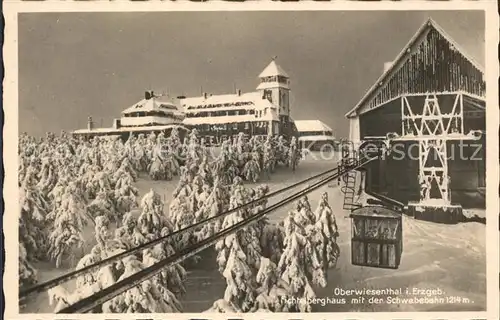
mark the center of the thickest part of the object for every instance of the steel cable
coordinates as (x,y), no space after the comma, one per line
(89,303)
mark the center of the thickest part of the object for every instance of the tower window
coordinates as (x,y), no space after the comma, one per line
(268,94)
(282,79)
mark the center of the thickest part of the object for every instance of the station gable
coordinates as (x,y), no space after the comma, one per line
(430,63)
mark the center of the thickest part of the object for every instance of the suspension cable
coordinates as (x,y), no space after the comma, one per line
(106,294)
(73,274)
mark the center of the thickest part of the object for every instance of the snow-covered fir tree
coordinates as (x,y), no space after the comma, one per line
(27,273)
(326,224)
(33,227)
(74,182)
(68,221)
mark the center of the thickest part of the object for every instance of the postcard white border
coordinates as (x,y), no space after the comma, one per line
(10,219)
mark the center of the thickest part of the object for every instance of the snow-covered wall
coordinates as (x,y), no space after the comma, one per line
(354,133)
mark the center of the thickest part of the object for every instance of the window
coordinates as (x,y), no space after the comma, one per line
(270,79)
(282,79)
(268,94)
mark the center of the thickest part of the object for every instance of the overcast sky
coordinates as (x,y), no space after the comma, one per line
(72,65)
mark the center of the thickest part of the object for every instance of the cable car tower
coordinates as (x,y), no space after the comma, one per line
(432,130)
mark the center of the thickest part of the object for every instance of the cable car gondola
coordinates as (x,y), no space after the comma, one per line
(376,238)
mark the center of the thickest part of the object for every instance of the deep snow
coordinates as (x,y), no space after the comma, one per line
(449,257)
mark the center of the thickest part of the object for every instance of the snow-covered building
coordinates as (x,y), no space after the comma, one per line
(314,134)
(154,113)
(262,112)
(431,100)
(265,111)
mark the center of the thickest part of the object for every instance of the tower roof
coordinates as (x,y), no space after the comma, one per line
(273,69)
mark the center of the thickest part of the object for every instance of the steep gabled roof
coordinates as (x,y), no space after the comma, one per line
(402,57)
(273,69)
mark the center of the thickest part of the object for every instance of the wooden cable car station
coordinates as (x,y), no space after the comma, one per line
(429,105)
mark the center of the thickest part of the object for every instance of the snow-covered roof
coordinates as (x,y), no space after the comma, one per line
(271,85)
(128,129)
(375,211)
(317,138)
(273,69)
(161,104)
(429,23)
(311,126)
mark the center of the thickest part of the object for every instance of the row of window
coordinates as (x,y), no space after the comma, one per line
(162,106)
(220,105)
(279,79)
(233,126)
(258,113)
(150,114)
(220,113)
(168,106)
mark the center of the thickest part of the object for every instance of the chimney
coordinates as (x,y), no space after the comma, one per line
(239,92)
(205,95)
(90,124)
(387,65)
(147,95)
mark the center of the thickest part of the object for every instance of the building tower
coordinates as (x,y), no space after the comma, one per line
(275,86)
